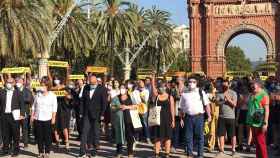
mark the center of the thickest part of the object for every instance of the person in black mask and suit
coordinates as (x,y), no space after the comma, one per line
(11,112)
(94,98)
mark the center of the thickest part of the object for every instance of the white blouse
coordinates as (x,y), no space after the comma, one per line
(44,106)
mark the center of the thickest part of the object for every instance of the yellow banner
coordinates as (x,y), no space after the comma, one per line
(76,77)
(1,85)
(59,93)
(16,70)
(96,69)
(35,84)
(142,76)
(53,63)
(263,78)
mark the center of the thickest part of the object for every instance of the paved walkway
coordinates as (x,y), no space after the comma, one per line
(107,150)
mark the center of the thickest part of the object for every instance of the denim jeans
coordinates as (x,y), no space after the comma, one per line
(144,121)
(194,133)
(25,126)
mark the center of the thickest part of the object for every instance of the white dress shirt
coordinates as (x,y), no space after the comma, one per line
(44,106)
(81,92)
(9,96)
(91,92)
(191,103)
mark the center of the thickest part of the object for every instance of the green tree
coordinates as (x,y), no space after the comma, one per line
(160,46)
(236,59)
(24,28)
(116,28)
(77,36)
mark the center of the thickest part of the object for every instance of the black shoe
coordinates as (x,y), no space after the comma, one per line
(15,154)
(93,153)
(248,149)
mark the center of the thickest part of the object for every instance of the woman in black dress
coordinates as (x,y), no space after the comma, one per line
(64,116)
(163,133)
(126,106)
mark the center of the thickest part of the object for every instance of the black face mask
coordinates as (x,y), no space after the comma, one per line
(251,89)
(225,88)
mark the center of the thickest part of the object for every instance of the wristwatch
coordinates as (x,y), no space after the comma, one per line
(264,123)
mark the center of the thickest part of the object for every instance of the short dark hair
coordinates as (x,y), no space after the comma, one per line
(226,80)
(46,81)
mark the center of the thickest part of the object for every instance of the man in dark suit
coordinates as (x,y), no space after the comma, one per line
(28,100)
(11,111)
(93,100)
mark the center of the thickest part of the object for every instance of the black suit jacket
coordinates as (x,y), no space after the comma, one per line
(94,107)
(17,101)
(28,100)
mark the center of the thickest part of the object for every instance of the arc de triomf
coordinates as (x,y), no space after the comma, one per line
(213,23)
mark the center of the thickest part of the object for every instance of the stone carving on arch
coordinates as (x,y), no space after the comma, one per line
(228,34)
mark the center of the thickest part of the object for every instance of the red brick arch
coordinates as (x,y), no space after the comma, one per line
(213,23)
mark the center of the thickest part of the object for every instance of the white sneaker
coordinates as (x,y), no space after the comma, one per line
(134,145)
(149,141)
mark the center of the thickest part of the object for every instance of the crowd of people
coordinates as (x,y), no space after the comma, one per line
(187,113)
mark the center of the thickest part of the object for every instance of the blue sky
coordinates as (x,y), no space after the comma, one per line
(252,45)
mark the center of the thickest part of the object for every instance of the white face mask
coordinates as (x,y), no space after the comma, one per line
(56,82)
(129,86)
(71,86)
(123,91)
(39,94)
(109,87)
(192,85)
(19,85)
(9,86)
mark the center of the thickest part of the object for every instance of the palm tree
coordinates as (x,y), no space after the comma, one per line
(24,27)
(160,45)
(116,27)
(77,36)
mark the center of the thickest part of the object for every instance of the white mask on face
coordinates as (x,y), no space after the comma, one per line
(110,87)
(56,82)
(19,85)
(122,91)
(9,86)
(129,86)
(192,86)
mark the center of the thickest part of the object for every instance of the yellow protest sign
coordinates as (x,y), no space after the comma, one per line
(35,84)
(61,64)
(59,93)
(142,76)
(76,77)
(16,70)
(96,69)
(263,78)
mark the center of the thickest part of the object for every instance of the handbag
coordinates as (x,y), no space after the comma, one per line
(154,115)
(142,108)
(135,119)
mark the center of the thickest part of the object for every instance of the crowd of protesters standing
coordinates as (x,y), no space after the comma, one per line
(244,112)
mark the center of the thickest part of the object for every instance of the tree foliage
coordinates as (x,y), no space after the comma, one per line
(24,28)
(236,59)
(27,25)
